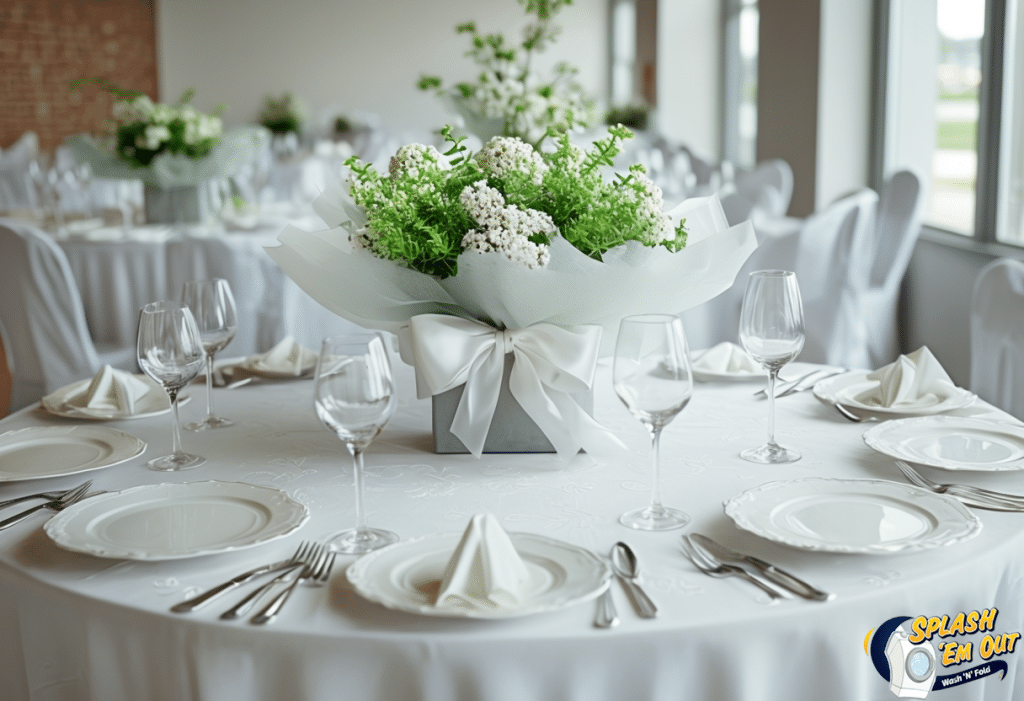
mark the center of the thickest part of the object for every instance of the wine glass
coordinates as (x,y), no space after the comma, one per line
(171,352)
(772,331)
(355,397)
(651,375)
(213,307)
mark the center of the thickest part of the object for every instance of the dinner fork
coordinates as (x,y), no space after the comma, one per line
(49,496)
(55,505)
(714,568)
(206,597)
(293,572)
(850,416)
(984,496)
(317,572)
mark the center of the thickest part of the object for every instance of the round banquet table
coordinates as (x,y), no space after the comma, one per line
(117,277)
(92,629)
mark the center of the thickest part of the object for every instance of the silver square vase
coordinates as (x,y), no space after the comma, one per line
(188,204)
(511,430)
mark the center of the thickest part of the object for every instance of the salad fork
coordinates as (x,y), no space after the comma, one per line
(985,497)
(287,577)
(713,568)
(317,571)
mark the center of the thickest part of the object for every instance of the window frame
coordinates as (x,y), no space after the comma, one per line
(990,129)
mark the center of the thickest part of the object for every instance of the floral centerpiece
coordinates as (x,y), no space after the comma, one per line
(470,257)
(509,97)
(173,148)
(281,115)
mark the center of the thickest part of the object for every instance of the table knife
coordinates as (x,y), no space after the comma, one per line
(769,571)
(208,596)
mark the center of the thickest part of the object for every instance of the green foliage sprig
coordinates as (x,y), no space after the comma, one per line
(428,210)
(281,114)
(508,87)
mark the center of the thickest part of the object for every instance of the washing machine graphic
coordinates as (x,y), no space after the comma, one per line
(912,668)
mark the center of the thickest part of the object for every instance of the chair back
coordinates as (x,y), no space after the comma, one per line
(46,337)
(897,224)
(769,185)
(997,336)
(829,253)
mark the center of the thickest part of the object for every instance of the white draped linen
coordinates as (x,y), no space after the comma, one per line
(117,278)
(86,629)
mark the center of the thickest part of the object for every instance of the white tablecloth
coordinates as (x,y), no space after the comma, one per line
(83,628)
(117,278)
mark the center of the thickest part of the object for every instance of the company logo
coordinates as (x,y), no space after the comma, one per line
(910,653)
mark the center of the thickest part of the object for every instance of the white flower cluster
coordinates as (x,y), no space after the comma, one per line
(505,228)
(410,159)
(503,155)
(650,208)
(198,126)
(527,110)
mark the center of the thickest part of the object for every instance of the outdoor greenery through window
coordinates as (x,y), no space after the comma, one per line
(963,136)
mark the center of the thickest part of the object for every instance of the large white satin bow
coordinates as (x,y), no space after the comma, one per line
(550,362)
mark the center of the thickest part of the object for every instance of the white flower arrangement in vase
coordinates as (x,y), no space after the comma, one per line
(471,257)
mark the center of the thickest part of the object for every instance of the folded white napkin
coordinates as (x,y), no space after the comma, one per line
(726,358)
(286,358)
(111,391)
(914,379)
(484,570)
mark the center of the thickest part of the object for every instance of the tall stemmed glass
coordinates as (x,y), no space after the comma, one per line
(171,352)
(355,397)
(772,331)
(213,306)
(651,375)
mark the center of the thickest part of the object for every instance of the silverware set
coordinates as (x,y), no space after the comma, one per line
(54,502)
(627,570)
(310,564)
(804,382)
(976,497)
(715,560)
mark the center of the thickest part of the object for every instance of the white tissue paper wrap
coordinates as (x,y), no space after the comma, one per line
(484,570)
(572,291)
(914,379)
(238,147)
(726,358)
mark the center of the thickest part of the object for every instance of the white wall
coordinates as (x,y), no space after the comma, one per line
(689,73)
(357,55)
(844,99)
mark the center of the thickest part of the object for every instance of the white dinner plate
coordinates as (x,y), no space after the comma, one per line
(153,403)
(850,389)
(406,576)
(173,521)
(52,451)
(852,516)
(951,442)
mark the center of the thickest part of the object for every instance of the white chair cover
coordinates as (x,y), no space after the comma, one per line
(15,184)
(761,194)
(896,226)
(829,256)
(997,336)
(48,341)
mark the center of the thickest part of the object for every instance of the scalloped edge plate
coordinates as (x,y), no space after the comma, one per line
(904,439)
(404,576)
(174,521)
(789,512)
(32,453)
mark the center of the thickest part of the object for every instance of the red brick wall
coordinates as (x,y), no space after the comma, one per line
(44,44)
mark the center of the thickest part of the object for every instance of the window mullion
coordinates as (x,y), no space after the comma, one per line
(990,121)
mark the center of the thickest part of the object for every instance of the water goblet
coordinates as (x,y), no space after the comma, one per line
(213,307)
(651,375)
(354,396)
(171,352)
(772,331)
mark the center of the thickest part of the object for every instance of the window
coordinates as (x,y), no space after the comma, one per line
(740,82)
(954,111)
